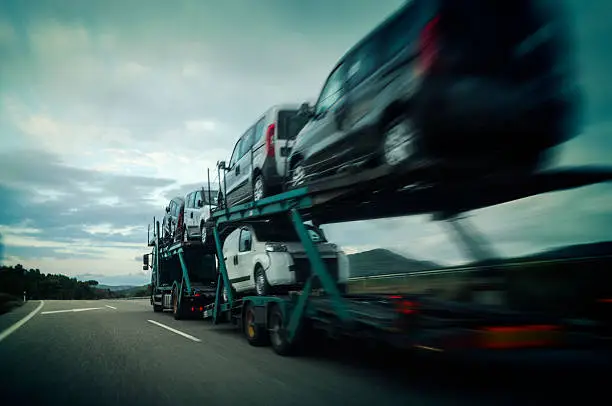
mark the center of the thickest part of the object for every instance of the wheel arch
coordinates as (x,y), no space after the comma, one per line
(392,111)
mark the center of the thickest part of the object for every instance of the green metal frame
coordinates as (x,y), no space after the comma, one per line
(287,203)
(223,280)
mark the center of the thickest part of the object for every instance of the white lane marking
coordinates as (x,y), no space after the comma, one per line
(175,331)
(72,310)
(21,322)
(111,307)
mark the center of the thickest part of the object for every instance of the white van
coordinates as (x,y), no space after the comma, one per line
(198,206)
(261,258)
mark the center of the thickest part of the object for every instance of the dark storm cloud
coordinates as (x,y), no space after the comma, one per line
(76,204)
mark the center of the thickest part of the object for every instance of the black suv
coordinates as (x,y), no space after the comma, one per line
(445,84)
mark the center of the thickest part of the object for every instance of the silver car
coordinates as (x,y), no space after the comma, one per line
(257,167)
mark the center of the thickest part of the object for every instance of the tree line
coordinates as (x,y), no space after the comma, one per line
(15,280)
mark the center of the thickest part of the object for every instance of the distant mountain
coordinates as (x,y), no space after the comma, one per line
(382,262)
(574,251)
(115,288)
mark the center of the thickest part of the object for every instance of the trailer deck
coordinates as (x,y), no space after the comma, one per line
(414,321)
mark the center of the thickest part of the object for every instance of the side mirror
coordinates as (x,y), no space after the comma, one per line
(200,203)
(305,110)
(145,262)
(167,209)
(221,165)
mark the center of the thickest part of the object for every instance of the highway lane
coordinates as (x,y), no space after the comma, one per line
(120,352)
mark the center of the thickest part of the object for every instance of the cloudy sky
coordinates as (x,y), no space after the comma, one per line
(108,108)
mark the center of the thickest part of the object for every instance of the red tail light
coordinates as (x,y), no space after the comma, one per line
(428,44)
(270,140)
(201,308)
(404,306)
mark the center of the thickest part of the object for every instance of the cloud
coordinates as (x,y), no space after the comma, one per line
(109,109)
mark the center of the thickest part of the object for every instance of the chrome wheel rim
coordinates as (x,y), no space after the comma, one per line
(398,145)
(298,175)
(260,282)
(258,190)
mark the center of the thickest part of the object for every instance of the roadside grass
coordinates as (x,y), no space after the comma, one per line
(9,302)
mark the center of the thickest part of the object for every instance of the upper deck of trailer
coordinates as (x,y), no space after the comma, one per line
(355,198)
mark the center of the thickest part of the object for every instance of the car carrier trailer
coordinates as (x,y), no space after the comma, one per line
(183,275)
(406,321)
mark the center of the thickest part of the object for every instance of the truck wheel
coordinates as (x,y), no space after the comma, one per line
(277,325)
(255,334)
(176,306)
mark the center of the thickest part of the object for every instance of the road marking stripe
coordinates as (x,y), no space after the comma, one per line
(111,307)
(175,331)
(21,322)
(72,310)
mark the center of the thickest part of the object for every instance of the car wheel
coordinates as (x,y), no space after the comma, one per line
(203,233)
(262,287)
(399,141)
(298,174)
(259,188)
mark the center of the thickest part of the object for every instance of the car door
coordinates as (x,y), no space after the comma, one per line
(230,251)
(324,129)
(245,259)
(198,203)
(244,166)
(231,177)
(189,209)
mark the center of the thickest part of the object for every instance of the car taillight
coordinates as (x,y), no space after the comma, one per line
(404,306)
(270,140)
(428,44)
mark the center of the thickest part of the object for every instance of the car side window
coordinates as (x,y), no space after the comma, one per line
(197,197)
(363,62)
(235,154)
(247,142)
(399,33)
(189,201)
(246,240)
(260,129)
(332,91)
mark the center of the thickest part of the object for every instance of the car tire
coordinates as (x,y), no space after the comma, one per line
(262,287)
(259,187)
(298,174)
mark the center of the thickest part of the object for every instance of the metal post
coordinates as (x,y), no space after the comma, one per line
(184,269)
(222,275)
(209,194)
(319,267)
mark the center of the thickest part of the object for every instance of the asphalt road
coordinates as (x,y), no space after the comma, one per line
(112,354)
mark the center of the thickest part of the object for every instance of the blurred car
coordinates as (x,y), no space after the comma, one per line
(199,204)
(445,84)
(261,258)
(257,167)
(173,220)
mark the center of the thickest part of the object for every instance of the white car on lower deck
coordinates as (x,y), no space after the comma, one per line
(263,259)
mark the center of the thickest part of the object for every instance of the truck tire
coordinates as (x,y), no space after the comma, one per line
(277,325)
(255,334)
(176,306)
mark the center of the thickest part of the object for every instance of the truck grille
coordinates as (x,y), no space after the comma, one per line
(303,270)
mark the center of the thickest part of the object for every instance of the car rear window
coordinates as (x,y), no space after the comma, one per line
(289,124)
